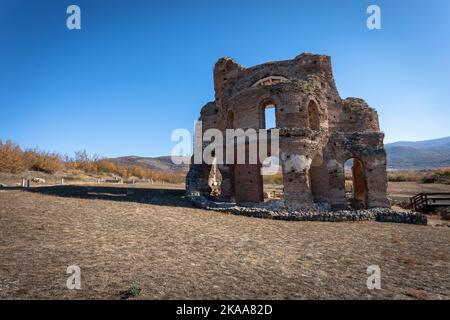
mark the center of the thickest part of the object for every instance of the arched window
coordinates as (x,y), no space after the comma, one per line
(267,114)
(269,117)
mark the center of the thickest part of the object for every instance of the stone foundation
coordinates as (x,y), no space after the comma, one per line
(319,213)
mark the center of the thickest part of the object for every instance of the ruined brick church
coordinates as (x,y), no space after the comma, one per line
(319,132)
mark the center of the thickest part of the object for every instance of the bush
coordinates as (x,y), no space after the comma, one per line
(404,176)
(11,158)
(43,161)
(438,176)
(14,160)
(85,162)
(105,166)
(139,172)
(122,170)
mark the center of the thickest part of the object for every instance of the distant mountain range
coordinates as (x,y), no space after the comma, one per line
(417,155)
(157,163)
(403,155)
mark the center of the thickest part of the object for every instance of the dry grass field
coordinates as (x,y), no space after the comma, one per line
(402,191)
(128,239)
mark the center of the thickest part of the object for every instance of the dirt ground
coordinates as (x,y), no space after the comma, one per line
(402,191)
(129,240)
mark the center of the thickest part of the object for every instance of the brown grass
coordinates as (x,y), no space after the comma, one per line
(151,244)
(275,179)
(14,160)
(425,176)
(404,176)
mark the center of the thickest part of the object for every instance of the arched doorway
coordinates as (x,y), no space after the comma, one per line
(272,178)
(355,184)
(318,179)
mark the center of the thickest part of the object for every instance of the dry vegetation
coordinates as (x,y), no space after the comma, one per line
(15,160)
(424,176)
(275,179)
(150,243)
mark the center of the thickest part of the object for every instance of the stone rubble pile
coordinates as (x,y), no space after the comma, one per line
(315,213)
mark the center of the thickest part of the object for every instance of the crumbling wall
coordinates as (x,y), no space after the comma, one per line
(319,132)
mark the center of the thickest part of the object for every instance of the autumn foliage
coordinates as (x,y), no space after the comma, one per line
(15,160)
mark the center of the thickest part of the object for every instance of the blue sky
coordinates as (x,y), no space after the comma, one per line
(137,70)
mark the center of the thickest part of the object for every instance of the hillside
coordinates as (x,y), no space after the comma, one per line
(158,163)
(417,155)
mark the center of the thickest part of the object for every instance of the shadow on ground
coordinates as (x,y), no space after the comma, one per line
(162,197)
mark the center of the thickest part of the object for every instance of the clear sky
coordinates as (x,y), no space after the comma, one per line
(137,70)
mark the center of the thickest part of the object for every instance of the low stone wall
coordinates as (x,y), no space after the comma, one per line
(313,214)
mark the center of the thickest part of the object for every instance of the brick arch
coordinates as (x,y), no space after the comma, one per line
(270,80)
(263,103)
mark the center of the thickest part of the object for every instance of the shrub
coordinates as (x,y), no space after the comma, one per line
(404,176)
(139,172)
(86,162)
(122,170)
(11,158)
(105,166)
(438,176)
(134,290)
(14,160)
(43,161)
